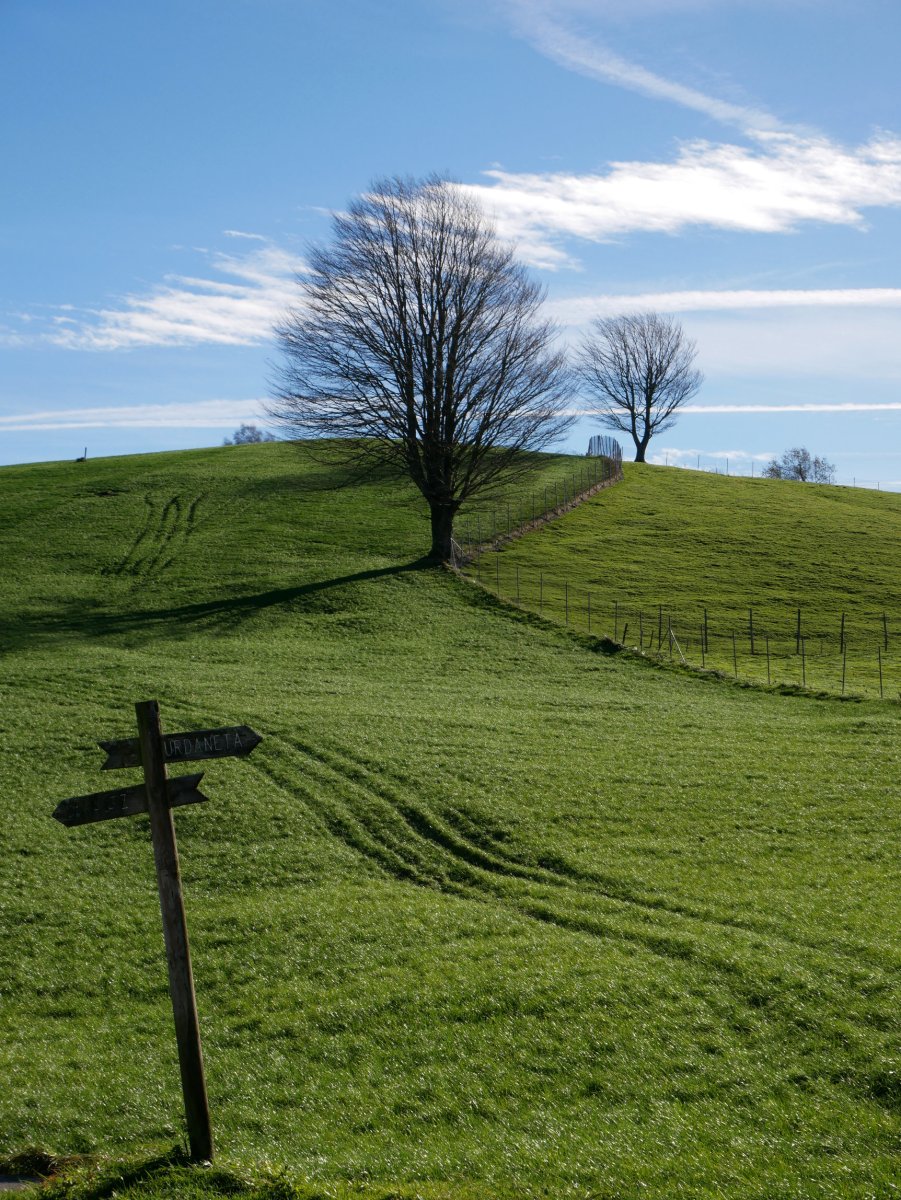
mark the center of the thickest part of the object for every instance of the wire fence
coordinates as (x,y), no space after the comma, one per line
(749,469)
(495,524)
(861,656)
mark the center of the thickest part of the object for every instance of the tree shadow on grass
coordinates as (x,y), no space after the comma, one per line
(95,622)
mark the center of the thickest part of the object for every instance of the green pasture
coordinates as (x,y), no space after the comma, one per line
(667,546)
(493,911)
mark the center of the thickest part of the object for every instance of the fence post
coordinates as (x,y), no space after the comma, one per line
(669,632)
(703,657)
(706,643)
(879,656)
(844,662)
(798,639)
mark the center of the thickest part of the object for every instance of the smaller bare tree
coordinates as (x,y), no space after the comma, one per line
(798,464)
(638,371)
(246,435)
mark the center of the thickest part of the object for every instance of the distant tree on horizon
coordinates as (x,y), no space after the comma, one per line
(246,434)
(798,464)
(638,370)
(419,343)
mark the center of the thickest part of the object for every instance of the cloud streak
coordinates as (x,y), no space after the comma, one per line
(238,306)
(577,310)
(202,414)
(774,187)
(576,52)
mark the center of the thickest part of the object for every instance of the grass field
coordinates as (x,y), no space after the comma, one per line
(492,911)
(667,545)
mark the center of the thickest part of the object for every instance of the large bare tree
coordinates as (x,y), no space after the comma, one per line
(638,370)
(418,339)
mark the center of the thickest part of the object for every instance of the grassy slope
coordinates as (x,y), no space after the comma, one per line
(689,541)
(486,905)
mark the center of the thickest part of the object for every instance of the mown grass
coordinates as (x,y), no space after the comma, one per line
(490,911)
(667,545)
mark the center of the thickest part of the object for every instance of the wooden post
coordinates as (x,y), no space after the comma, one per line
(175,933)
(640,630)
(844,661)
(798,634)
(768,660)
(703,658)
(706,643)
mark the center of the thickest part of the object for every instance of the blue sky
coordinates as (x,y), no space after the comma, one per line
(734,162)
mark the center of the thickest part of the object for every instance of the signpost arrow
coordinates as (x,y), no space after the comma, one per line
(124,802)
(233,741)
(158,795)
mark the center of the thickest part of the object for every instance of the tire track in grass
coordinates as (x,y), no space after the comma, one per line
(162,537)
(419,846)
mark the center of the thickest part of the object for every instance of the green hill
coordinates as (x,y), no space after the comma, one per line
(668,546)
(491,911)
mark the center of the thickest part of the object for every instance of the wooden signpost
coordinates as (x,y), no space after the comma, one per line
(157,796)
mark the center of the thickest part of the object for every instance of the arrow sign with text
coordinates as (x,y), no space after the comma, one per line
(153,751)
(125,802)
(231,742)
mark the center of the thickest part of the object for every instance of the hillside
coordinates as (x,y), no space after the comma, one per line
(667,546)
(489,912)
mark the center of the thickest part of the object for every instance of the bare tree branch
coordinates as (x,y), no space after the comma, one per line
(419,341)
(638,371)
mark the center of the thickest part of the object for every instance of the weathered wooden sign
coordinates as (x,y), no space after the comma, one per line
(125,802)
(236,740)
(157,796)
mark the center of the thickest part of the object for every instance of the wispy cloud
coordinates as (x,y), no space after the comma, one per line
(773,187)
(237,305)
(553,35)
(771,409)
(577,310)
(202,414)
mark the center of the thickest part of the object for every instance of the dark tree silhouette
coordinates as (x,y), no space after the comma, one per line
(418,339)
(798,464)
(638,371)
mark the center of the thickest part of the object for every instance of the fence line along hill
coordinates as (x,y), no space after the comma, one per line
(776,582)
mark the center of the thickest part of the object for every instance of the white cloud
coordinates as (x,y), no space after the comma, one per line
(577,52)
(201,414)
(237,307)
(774,187)
(801,407)
(578,310)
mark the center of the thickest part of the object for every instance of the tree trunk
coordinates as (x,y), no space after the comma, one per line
(639,452)
(442,516)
